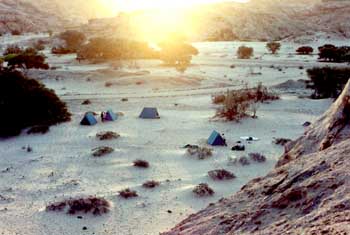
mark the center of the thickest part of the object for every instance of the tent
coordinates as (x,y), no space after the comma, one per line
(149,113)
(216,139)
(89,119)
(111,116)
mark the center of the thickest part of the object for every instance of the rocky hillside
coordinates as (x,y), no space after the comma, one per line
(22,16)
(307,193)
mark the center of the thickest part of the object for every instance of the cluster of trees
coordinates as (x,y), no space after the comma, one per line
(25,102)
(327,82)
(73,40)
(332,53)
(19,58)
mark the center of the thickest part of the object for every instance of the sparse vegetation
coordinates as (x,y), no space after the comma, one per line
(236,104)
(102,151)
(128,193)
(221,174)
(335,54)
(200,152)
(141,163)
(21,95)
(273,47)
(203,190)
(107,135)
(327,82)
(244,52)
(150,184)
(257,157)
(92,204)
(305,50)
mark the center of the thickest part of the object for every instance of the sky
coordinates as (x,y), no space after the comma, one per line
(131,5)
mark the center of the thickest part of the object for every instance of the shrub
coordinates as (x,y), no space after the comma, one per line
(13,49)
(236,104)
(273,47)
(150,184)
(327,82)
(43,129)
(128,193)
(16,32)
(86,102)
(102,151)
(305,50)
(141,163)
(21,95)
(93,205)
(244,161)
(61,50)
(108,135)
(244,52)
(29,58)
(257,157)
(203,190)
(221,174)
(200,152)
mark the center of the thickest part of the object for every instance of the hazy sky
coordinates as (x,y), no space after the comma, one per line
(129,5)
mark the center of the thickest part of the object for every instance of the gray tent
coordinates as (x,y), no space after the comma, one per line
(149,113)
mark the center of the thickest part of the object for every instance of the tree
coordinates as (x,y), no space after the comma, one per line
(26,59)
(244,52)
(305,50)
(332,53)
(25,102)
(273,47)
(73,39)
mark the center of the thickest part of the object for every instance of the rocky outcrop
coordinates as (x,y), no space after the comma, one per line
(307,193)
(22,16)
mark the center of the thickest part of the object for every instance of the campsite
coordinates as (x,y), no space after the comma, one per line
(162,110)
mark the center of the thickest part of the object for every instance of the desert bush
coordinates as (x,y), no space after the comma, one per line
(150,184)
(305,50)
(200,152)
(332,53)
(21,95)
(203,190)
(102,151)
(244,52)
(244,161)
(16,32)
(124,99)
(281,141)
(117,49)
(108,84)
(327,82)
(86,102)
(92,204)
(128,193)
(107,135)
(141,163)
(273,47)
(221,174)
(13,49)
(236,104)
(60,50)
(257,157)
(43,129)
(73,39)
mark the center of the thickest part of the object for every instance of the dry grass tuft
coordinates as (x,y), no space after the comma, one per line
(203,190)
(150,184)
(108,135)
(128,193)
(221,174)
(200,152)
(102,151)
(141,163)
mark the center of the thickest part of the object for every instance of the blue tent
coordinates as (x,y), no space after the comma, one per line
(89,119)
(111,116)
(149,113)
(216,139)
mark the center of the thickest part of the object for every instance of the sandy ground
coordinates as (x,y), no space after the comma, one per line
(61,164)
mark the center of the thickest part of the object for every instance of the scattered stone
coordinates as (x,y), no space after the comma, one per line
(124,99)
(150,184)
(203,190)
(306,124)
(169,211)
(102,151)
(221,174)
(84,228)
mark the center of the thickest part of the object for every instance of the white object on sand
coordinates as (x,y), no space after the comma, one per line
(249,138)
